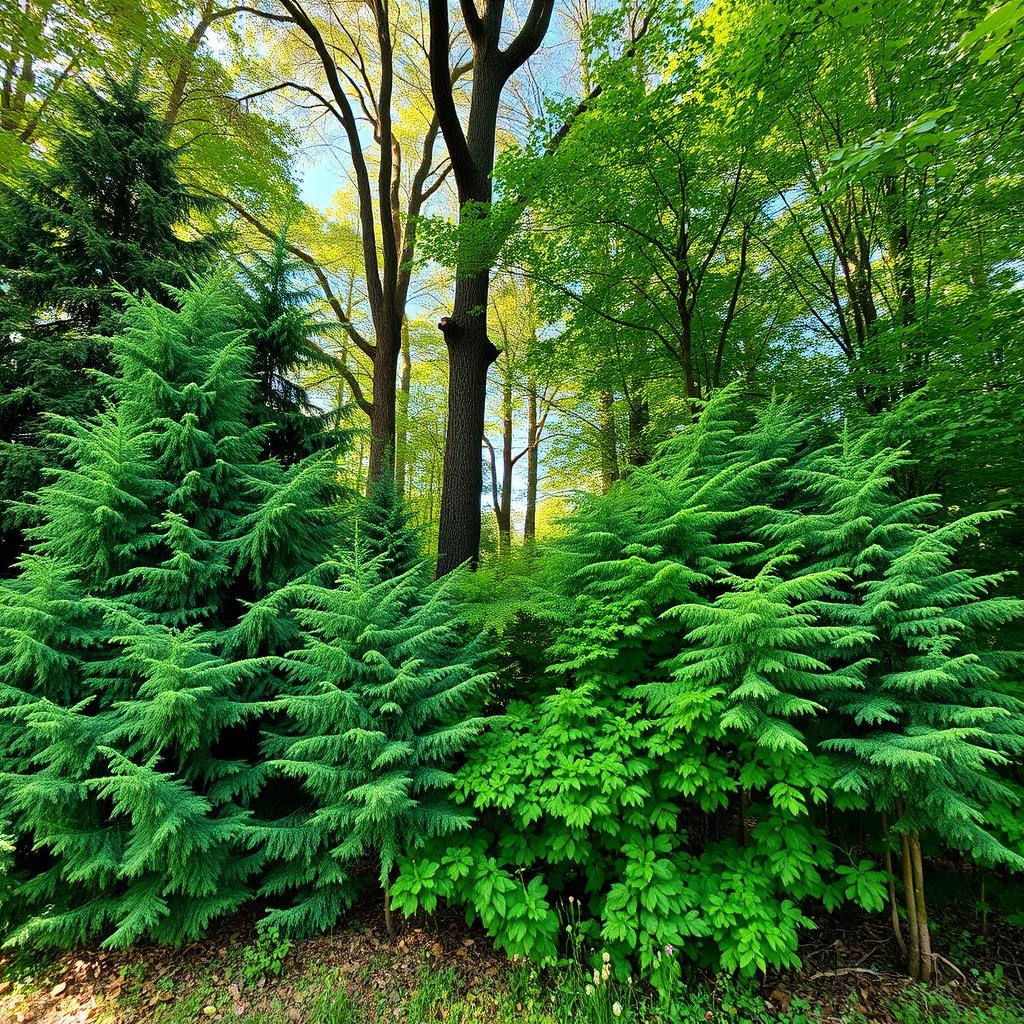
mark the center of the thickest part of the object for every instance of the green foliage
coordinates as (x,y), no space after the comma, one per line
(264,959)
(381,702)
(751,627)
(381,525)
(104,215)
(276,311)
(136,659)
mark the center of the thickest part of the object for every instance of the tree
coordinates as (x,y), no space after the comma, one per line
(471,150)
(284,333)
(381,527)
(105,215)
(384,686)
(363,82)
(137,644)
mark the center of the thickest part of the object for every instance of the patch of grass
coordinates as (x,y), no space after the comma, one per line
(333,1005)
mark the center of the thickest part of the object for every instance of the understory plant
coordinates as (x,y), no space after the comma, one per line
(759,649)
(383,690)
(134,670)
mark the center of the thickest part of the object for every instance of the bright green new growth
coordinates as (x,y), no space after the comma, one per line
(129,706)
(381,703)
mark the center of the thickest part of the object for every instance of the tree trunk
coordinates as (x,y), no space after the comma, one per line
(471,151)
(637,452)
(470,353)
(505,515)
(609,445)
(914,951)
(382,415)
(925,939)
(532,465)
(388,922)
(893,908)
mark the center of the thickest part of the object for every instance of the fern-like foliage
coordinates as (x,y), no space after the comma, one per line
(134,669)
(381,699)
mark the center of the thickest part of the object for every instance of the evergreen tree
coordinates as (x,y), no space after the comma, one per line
(137,663)
(381,523)
(381,690)
(104,214)
(926,714)
(277,312)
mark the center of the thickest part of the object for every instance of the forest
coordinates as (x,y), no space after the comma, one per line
(510,511)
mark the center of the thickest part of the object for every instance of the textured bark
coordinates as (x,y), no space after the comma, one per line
(609,443)
(382,413)
(469,356)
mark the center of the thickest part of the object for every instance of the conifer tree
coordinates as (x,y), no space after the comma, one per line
(276,310)
(105,213)
(383,688)
(132,694)
(381,522)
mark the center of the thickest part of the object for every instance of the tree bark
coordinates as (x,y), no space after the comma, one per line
(914,941)
(637,452)
(469,356)
(402,440)
(382,413)
(609,445)
(925,939)
(893,908)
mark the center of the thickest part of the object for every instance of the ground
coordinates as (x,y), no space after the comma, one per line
(441,971)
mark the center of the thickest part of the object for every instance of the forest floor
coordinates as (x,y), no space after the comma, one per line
(445,973)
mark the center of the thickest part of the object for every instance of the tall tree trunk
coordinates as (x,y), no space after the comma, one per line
(471,151)
(532,464)
(637,451)
(507,465)
(470,353)
(609,444)
(382,415)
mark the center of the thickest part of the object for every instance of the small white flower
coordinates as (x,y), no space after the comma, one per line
(590,990)
(617,1009)
(606,957)
(606,970)
(597,977)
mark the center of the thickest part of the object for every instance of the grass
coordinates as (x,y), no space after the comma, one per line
(258,977)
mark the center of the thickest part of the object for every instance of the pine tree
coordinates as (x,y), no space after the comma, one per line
(138,661)
(931,720)
(919,718)
(382,690)
(104,214)
(382,524)
(277,312)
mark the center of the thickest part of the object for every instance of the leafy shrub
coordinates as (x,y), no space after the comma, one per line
(733,652)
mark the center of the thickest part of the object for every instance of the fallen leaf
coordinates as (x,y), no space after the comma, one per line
(58,988)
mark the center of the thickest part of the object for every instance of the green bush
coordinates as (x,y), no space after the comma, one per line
(751,631)
(135,667)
